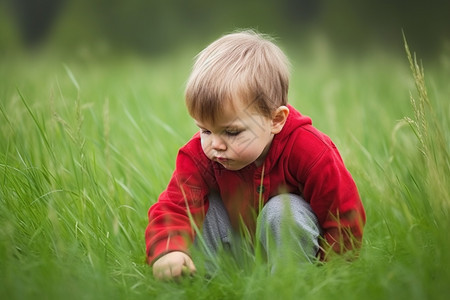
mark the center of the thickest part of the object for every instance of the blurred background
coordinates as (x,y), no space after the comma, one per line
(149,27)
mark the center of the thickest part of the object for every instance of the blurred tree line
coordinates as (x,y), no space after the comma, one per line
(152,26)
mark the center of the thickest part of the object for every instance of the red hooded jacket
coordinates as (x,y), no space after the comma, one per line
(301,160)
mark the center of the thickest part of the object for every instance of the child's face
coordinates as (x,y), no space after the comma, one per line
(238,137)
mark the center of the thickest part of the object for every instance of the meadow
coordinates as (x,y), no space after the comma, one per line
(88,141)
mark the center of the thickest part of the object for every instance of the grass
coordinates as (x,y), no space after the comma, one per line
(88,143)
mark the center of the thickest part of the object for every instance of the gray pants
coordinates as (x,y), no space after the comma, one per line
(285,223)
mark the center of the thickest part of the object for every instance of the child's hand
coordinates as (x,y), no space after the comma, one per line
(173,265)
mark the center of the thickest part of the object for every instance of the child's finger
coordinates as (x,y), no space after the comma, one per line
(190,265)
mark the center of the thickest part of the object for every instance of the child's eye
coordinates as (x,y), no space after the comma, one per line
(204,131)
(232,132)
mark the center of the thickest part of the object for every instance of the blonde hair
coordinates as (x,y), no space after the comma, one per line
(244,65)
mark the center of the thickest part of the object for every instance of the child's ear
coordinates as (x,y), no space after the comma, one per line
(279,119)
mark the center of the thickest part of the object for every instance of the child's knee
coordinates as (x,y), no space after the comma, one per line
(285,206)
(289,214)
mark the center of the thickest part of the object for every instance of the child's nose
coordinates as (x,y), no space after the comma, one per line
(217,143)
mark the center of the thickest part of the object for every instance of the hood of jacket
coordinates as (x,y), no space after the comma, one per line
(295,121)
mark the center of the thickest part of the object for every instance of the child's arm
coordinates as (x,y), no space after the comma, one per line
(179,209)
(329,188)
(335,199)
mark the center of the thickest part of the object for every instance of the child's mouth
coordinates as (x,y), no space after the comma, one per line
(222,160)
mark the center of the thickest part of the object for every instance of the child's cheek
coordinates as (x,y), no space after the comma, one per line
(206,146)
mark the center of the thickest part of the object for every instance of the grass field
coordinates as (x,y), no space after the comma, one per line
(87,143)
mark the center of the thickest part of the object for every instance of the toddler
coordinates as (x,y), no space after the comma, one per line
(254,158)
